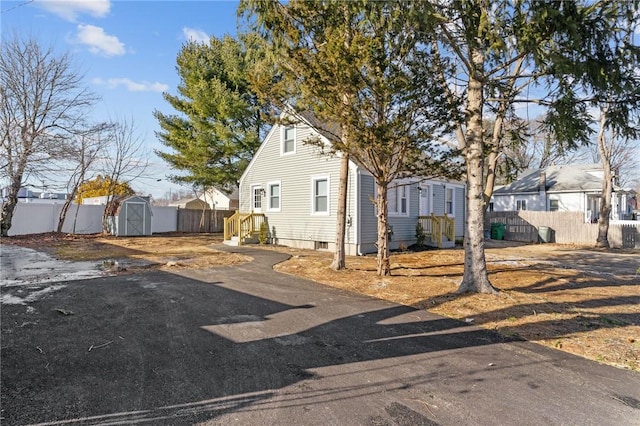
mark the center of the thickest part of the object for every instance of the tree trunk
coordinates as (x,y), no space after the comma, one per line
(341,219)
(497,135)
(494,155)
(63,214)
(9,206)
(607,185)
(384,266)
(108,207)
(475,278)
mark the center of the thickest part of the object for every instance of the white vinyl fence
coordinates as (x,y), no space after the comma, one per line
(35,218)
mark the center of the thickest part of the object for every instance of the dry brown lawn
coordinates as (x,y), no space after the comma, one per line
(590,314)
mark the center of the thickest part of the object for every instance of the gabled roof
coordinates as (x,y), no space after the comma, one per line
(230,192)
(565,178)
(331,131)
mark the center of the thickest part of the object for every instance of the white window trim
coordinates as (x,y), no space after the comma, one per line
(253,204)
(395,186)
(521,200)
(268,195)
(453,200)
(313,195)
(295,137)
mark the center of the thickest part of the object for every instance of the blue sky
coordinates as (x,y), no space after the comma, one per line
(127,51)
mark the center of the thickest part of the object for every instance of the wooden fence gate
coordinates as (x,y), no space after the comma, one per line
(630,236)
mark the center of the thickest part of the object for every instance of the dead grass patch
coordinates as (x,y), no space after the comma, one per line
(166,252)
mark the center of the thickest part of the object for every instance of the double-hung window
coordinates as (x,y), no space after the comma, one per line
(554,205)
(448,201)
(398,198)
(288,140)
(521,204)
(320,195)
(273,191)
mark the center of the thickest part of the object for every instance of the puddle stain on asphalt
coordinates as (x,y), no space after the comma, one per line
(25,273)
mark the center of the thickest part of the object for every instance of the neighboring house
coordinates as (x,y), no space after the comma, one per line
(561,188)
(26,195)
(294,189)
(222,200)
(191,203)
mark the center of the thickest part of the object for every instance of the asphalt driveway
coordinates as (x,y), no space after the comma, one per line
(248,346)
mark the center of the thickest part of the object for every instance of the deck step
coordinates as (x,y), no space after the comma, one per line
(234,241)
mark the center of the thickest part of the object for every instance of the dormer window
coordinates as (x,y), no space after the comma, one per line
(288,140)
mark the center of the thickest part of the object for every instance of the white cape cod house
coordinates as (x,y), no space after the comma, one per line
(562,188)
(293,188)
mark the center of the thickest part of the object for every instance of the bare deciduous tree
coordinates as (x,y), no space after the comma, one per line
(83,153)
(126,159)
(42,103)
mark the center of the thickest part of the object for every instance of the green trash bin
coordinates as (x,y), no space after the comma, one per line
(497,231)
(544,234)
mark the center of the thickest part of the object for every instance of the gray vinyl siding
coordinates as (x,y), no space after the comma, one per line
(295,220)
(460,201)
(368,219)
(404,227)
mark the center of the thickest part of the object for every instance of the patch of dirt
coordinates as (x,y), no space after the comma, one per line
(585,302)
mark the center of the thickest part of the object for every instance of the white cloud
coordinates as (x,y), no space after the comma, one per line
(130,85)
(71,9)
(193,34)
(98,41)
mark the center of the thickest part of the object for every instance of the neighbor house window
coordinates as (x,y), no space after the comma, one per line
(288,140)
(274,196)
(553,205)
(320,189)
(448,201)
(521,204)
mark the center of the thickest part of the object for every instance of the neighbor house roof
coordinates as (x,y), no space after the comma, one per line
(565,178)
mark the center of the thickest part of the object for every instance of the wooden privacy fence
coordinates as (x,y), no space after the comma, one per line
(566,228)
(191,220)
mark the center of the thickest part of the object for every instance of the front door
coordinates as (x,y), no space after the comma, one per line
(425,200)
(256,198)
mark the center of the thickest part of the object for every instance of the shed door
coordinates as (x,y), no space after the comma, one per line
(134,217)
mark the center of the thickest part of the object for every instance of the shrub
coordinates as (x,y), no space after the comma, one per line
(420,235)
(263,235)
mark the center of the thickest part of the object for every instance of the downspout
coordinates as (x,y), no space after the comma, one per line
(357,217)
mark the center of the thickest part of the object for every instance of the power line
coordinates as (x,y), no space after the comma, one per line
(16,6)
